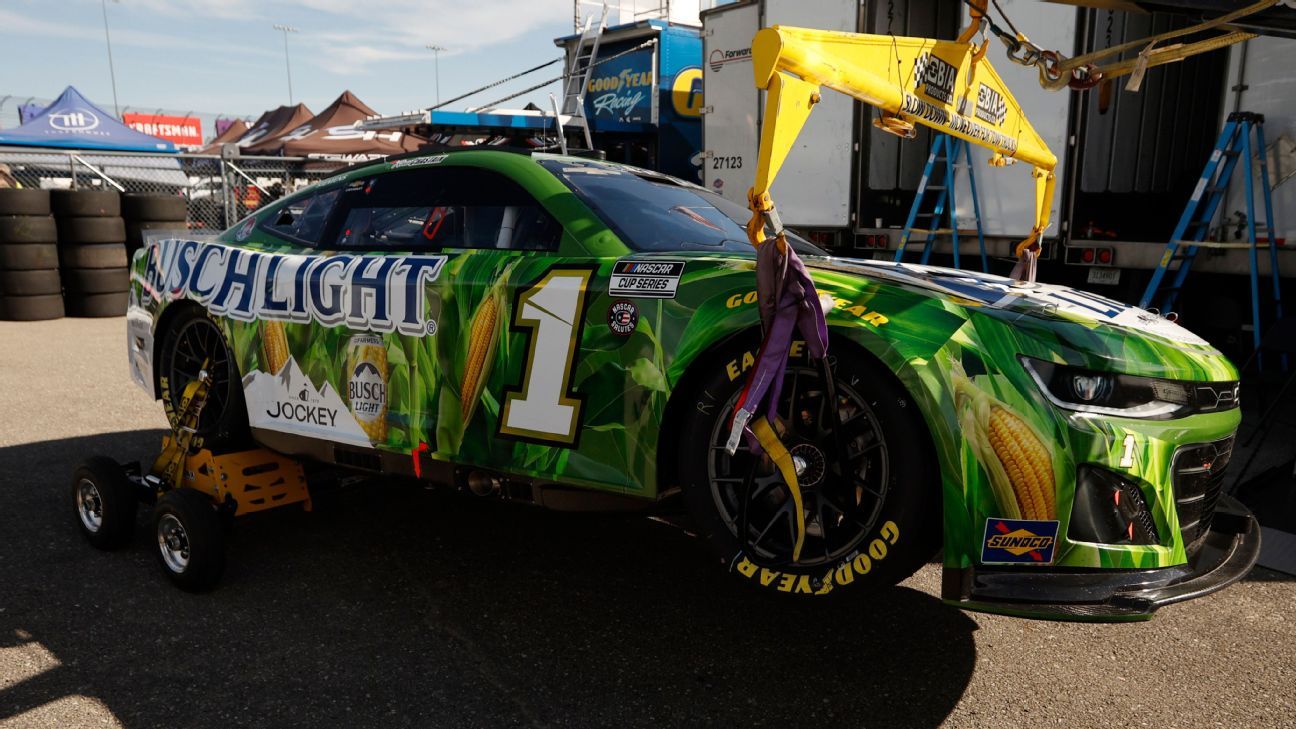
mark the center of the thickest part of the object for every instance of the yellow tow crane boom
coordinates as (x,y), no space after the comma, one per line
(945,85)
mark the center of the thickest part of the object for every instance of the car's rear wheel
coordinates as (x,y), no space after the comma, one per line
(871,506)
(193,338)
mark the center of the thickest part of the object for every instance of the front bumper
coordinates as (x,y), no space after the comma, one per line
(1227,553)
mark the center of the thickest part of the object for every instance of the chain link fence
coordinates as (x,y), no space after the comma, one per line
(218,192)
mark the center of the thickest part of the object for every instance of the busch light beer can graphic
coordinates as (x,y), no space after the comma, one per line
(366,367)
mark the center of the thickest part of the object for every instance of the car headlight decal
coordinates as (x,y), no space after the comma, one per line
(1127,396)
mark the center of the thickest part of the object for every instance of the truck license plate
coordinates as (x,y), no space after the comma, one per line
(1108,276)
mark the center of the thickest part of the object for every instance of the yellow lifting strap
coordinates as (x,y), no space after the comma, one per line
(1057,74)
(945,85)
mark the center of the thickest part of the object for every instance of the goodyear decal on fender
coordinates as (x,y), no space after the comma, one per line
(366,293)
(646,279)
(1019,541)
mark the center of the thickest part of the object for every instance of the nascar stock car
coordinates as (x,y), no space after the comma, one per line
(576,333)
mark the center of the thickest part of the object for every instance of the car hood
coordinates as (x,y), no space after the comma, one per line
(1082,328)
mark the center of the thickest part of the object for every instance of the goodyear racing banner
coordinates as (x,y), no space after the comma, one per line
(621,91)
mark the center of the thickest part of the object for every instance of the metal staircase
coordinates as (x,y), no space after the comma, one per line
(945,149)
(1235,143)
(576,80)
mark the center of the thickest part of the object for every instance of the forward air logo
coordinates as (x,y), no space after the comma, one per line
(934,77)
(1019,541)
(719,58)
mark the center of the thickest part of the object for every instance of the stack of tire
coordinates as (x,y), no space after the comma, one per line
(30,289)
(92,251)
(146,212)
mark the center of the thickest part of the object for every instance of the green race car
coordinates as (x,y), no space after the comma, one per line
(575,333)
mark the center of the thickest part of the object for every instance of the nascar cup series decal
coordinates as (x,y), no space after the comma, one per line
(1019,541)
(366,293)
(646,279)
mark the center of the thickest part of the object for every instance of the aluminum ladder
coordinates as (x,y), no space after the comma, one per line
(578,73)
(945,149)
(1234,143)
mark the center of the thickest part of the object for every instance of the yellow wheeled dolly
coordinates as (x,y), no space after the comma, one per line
(194,492)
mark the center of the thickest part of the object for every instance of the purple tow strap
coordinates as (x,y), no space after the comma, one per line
(788,304)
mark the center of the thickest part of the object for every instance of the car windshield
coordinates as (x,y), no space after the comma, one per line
(654,212)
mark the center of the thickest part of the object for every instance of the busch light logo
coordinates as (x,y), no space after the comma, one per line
(366,293)
(73,120)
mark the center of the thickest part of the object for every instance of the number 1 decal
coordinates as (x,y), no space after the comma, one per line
(544,408)
(1127,460)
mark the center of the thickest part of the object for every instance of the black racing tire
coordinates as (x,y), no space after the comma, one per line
(190,541)
(80,231)
(24,201)
(96,255)
(91,306)
(40,282)
(85,203)
(140,206)
(193,335)
(28,229)
(96,280)
(105,503)
(31,308)
(870,533)
(28,256)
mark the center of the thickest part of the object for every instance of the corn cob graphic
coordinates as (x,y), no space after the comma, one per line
(483,336)
(1012,453)
(274,346)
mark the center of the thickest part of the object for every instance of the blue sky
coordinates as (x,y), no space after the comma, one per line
(223,56)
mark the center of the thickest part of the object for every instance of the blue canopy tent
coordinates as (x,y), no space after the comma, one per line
(72,122)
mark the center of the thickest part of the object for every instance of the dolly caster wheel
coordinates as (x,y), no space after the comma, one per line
(105,502)
(190,540)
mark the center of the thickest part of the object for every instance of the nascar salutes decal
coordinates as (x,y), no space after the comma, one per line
(1019,541)
(646,279)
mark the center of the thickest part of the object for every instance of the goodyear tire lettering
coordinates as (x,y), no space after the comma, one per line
(842,574)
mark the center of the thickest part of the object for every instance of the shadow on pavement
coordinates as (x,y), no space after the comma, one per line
(391,605)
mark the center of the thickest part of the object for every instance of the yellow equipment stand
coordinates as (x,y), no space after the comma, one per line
(253,480)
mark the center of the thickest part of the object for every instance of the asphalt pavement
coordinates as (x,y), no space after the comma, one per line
(397,606)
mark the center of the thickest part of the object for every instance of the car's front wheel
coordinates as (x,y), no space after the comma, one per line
(870,491)
(192,339)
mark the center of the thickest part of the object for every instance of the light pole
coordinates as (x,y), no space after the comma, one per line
(436,64)
(112,74)
(286,30)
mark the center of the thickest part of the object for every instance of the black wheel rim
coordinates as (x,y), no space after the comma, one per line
(750,495)
(196,341)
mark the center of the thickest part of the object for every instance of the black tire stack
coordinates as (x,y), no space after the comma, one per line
(92,251)
(30,288)
(145,211)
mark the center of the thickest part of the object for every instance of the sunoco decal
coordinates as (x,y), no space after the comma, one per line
(646,279)
(1019,541)
(366,293)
